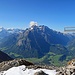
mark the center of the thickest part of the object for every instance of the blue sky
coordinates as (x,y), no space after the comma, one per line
(56,14)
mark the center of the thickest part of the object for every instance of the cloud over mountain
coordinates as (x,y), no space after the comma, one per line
(33,23)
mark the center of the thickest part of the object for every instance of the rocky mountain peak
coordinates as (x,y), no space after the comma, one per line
(38,28)
(36,41)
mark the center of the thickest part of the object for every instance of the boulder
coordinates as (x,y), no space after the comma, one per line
(40,73)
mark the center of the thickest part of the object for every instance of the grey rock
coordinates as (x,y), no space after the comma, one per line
(40,73)
(13,63)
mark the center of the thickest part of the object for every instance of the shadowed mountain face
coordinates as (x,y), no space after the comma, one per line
(71,48)
(35,41)
(4,57)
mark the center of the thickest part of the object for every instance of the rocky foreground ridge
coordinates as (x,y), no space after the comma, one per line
(5,65)
(66,70)
(69,69)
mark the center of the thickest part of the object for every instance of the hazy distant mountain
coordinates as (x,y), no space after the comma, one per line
(4,33)
(15,30)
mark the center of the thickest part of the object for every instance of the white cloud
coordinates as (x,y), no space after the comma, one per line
(32,23)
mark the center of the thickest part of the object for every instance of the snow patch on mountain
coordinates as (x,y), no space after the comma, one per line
(22,70)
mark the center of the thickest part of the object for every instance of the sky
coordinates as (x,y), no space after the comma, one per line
(56,14)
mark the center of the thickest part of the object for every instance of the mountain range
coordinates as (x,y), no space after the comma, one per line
(38,42)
